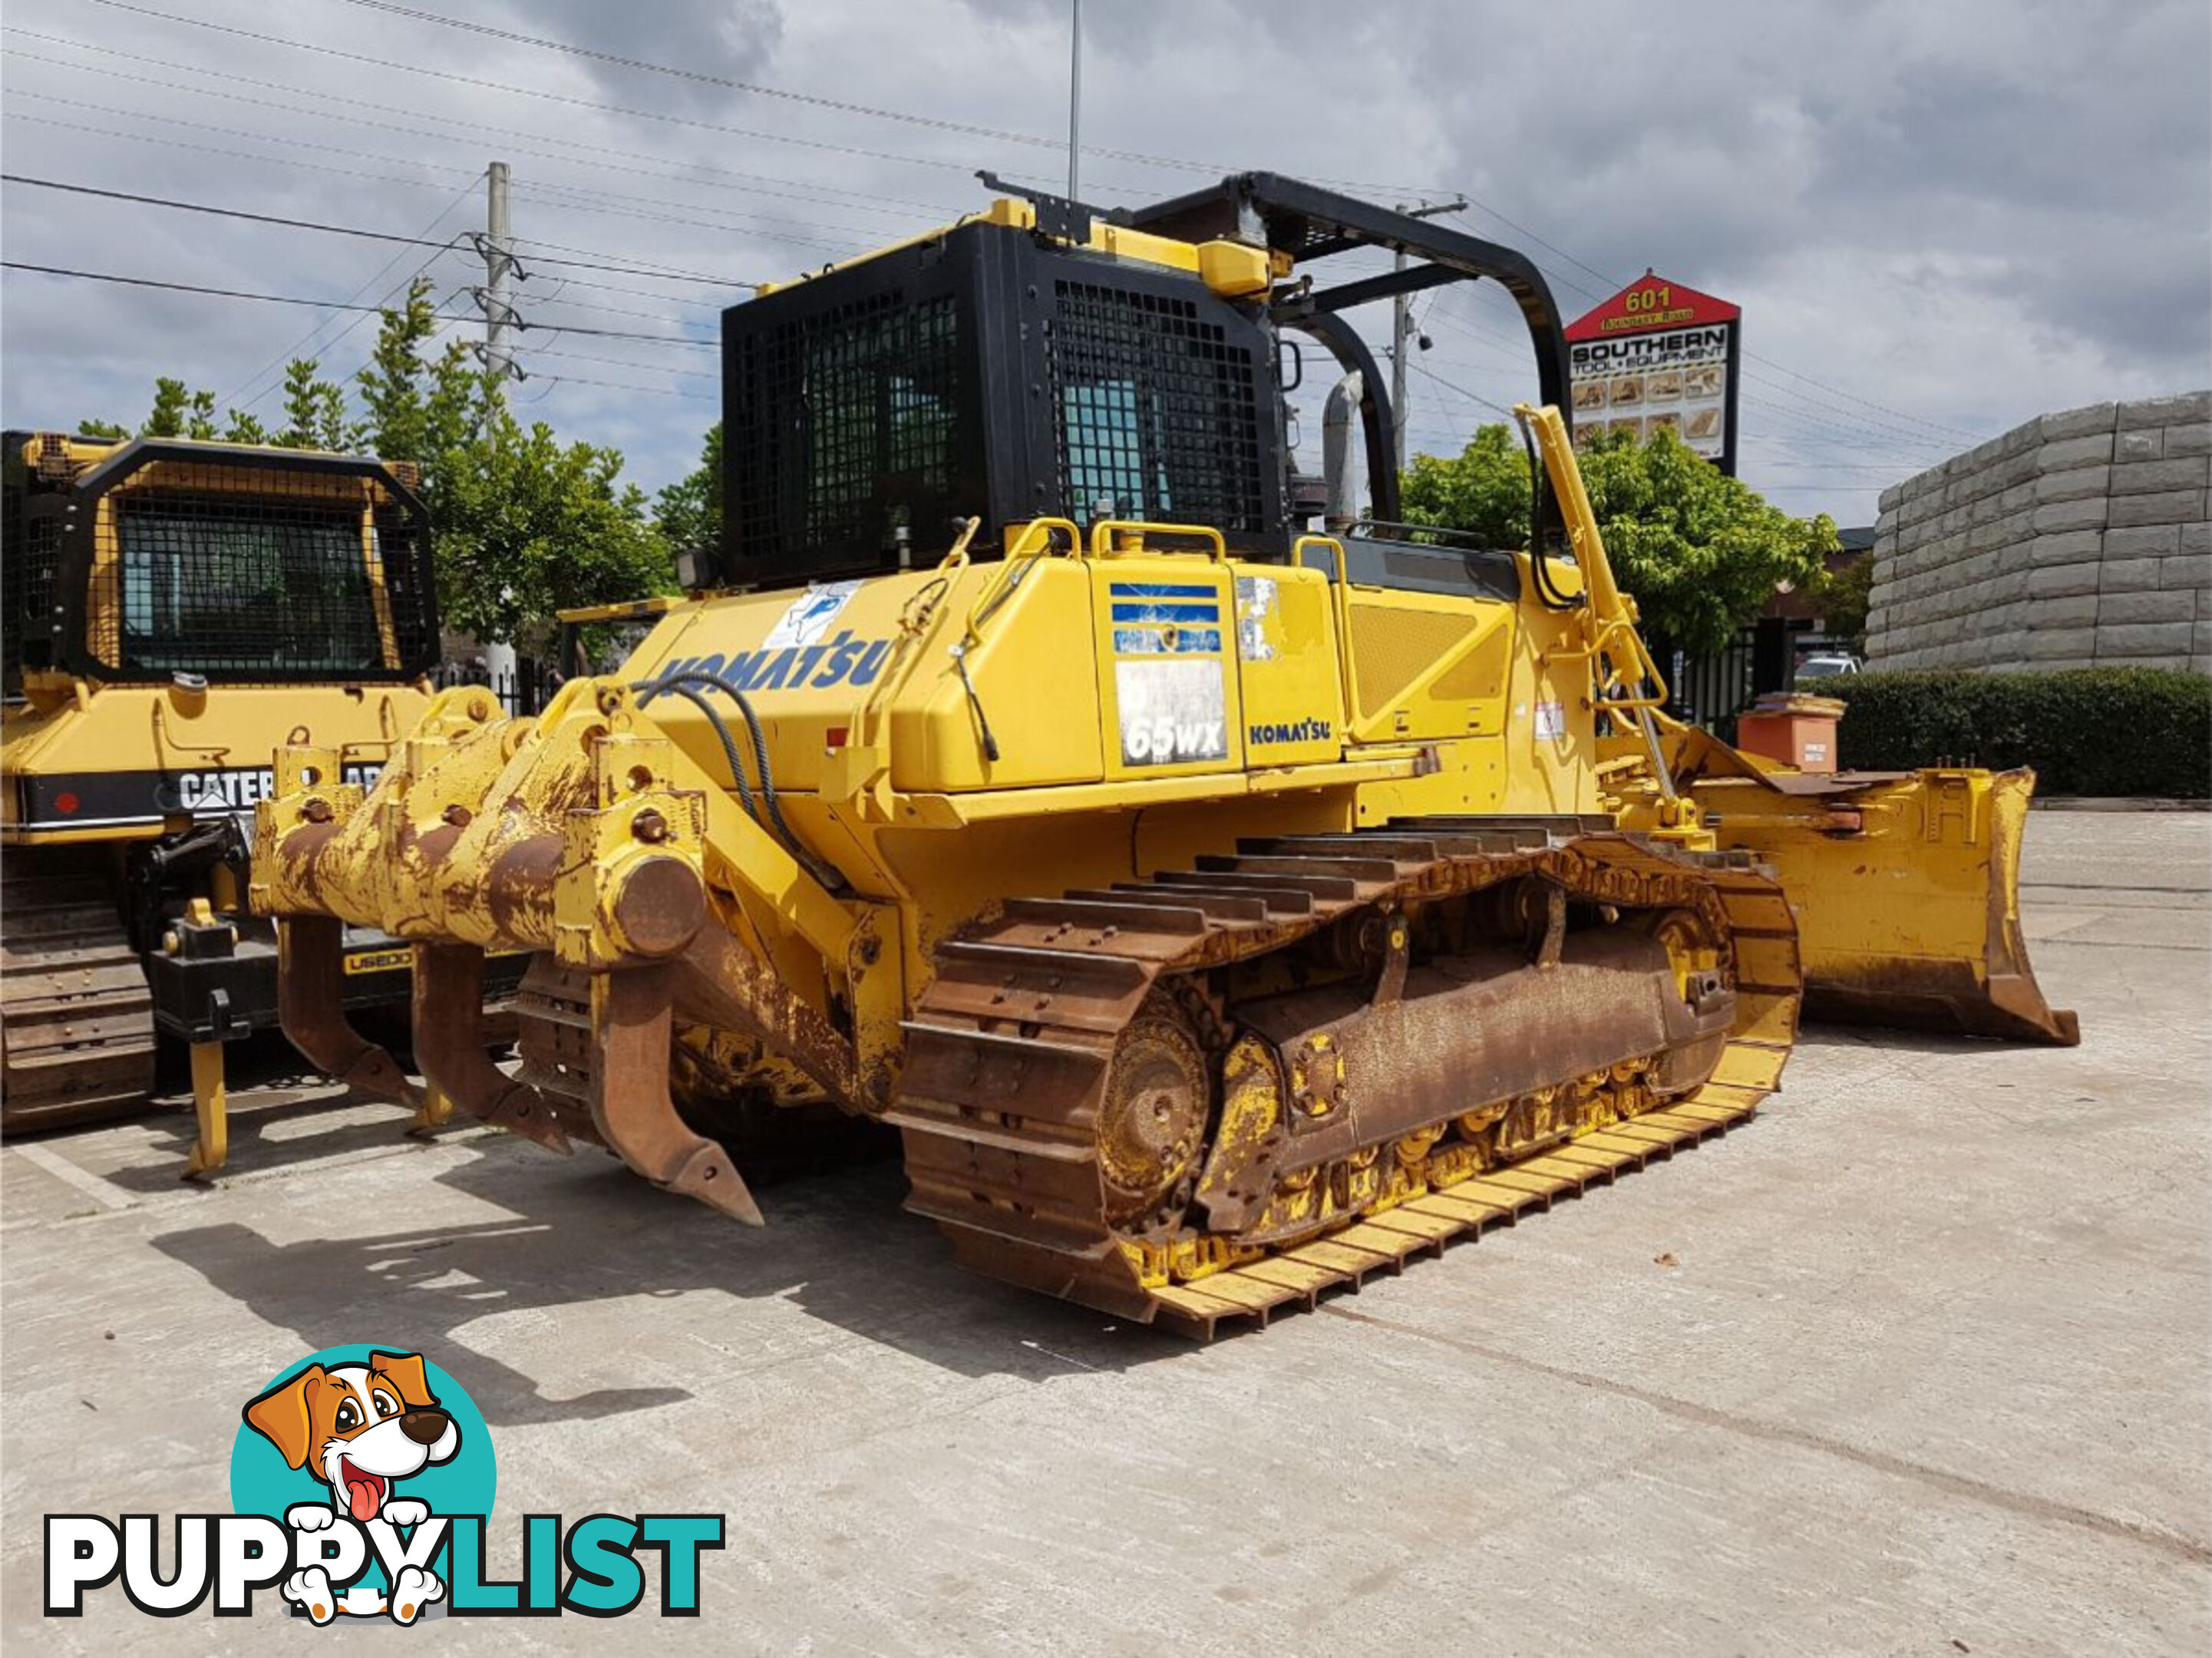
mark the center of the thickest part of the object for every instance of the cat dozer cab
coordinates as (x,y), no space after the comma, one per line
(174,611)
(1220,910)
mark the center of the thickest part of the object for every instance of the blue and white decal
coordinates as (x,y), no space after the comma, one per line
(811,615)
(1165,618)
(1157,602)
(1169,640)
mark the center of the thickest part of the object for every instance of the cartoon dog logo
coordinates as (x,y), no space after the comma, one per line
(361,1428)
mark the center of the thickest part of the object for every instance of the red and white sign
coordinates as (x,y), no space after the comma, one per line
(1659,355)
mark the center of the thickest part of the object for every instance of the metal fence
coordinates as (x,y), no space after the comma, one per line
(1712,690)
(526,690)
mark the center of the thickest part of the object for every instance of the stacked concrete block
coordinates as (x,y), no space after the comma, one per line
(2077,540)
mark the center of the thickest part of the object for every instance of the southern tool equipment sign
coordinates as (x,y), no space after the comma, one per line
(1658,356)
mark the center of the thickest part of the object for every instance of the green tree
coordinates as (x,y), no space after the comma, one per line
(1484,491)
(1701,552)
(180,411)
(526,524)
(689,512)
(1842,597)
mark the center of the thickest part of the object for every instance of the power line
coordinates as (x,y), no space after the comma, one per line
(214,149)
(1844,436)
(387,126)
(300,344)
(1613,285)
(223,212)
(997,135)
(194,288)
(1141,157)
(622,362)
(330,304)
(757,184)
(701,78)
(1473,397)
(621,385)
(353,230)
(1849,420)
(664,275)
(576,196)
(1870,434)
(611,310)
(961,166)
(1933,426)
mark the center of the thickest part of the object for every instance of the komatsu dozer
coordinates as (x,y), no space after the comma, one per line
(173,611)
(1221,911)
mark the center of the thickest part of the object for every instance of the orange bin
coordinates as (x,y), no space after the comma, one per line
(1791,727)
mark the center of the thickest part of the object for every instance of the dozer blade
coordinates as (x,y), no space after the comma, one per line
(1906,887)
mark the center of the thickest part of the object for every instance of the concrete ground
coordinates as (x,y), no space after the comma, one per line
(1915,1363)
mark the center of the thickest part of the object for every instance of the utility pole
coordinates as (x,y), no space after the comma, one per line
(1074,93)
(1402,322)
(502,664)
(499,266)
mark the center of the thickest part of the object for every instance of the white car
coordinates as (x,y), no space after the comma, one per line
(1826,667)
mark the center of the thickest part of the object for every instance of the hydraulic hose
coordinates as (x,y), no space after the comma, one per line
(1549,596)
(684,684)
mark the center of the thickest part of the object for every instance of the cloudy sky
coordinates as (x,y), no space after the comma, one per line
(1939,219)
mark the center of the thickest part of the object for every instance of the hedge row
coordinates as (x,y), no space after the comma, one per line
(2142,731)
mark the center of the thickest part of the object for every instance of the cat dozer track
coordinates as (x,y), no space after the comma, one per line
(77,1017)
(1420,1031)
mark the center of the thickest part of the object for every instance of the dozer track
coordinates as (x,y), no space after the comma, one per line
(76,1018)
(1043,1077)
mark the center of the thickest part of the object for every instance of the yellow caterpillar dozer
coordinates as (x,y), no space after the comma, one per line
(174,610)
(1221,911)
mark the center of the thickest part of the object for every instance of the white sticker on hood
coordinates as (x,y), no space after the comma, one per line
(1256,610)
(810,615)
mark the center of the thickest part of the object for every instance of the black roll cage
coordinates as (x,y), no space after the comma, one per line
(1310,224)
(73,502)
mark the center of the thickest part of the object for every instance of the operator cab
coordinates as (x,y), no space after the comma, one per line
(164,561)
(1048,360)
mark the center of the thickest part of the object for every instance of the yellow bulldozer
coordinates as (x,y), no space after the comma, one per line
(175,611)
(1221,910)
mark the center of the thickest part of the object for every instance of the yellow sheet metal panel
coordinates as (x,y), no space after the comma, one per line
(1288,665)
(1467,775)
(1427,666)
(1034,684)
(126,760)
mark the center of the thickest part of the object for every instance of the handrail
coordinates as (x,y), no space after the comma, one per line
(1298,554)
(1341,605)
(1043,527)
(1103,532)
(1009,576)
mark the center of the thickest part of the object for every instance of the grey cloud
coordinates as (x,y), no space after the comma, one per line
(1969,212)
(733,39)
